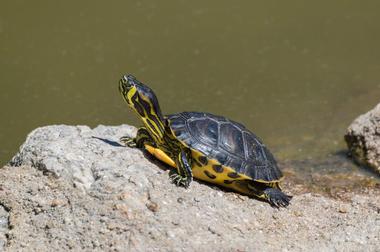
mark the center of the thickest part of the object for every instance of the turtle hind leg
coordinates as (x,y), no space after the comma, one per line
(269,192)
(276,198)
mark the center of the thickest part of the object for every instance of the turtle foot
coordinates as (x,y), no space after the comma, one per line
(179,180)
(128,141)
(277,198)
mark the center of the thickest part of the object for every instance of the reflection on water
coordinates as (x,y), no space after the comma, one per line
(295,74)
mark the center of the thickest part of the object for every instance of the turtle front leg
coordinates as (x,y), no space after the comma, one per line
(184,174)
(142,138)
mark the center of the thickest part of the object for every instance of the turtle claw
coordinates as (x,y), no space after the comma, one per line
(178,180)
(277,198)
(128,141)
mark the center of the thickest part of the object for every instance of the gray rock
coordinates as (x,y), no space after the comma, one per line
(363,139)
(77,153)
(4,215)
(73,191)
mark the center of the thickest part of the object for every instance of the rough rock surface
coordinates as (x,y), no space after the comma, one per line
(78,154)
(76,188)
(363,139)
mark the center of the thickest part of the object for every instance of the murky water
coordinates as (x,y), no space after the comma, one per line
(295,73)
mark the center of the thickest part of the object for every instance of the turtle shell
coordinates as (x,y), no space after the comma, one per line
(226,141)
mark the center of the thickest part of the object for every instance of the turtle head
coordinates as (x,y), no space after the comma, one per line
(143,101)
(129,88)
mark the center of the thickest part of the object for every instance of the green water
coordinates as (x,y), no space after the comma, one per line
(296,73)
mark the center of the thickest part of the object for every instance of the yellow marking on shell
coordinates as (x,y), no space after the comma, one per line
(159,154)
(240,184)
(199,171)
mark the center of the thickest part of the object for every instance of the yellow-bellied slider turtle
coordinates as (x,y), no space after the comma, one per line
(208,147)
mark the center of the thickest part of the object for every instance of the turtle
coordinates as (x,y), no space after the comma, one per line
(208,147)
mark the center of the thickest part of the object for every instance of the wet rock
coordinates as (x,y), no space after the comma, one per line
(363,139)
(113,198)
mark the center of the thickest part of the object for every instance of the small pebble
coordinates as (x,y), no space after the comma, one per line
(342,209)
(298,213)
(37,210)
(123,196)
(57,202)
(175,223)
(152,206)
(123,209)
(112,226)
(170,234)
(180,200)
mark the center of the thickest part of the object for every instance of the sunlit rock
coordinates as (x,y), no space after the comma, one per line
(363,139)
(75,188)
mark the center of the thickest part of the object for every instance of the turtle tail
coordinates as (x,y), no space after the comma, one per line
(277,198)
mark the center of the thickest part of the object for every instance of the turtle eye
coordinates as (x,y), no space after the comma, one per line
(125,82)
(124,79)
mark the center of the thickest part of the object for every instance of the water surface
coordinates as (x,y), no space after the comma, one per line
(295,73)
